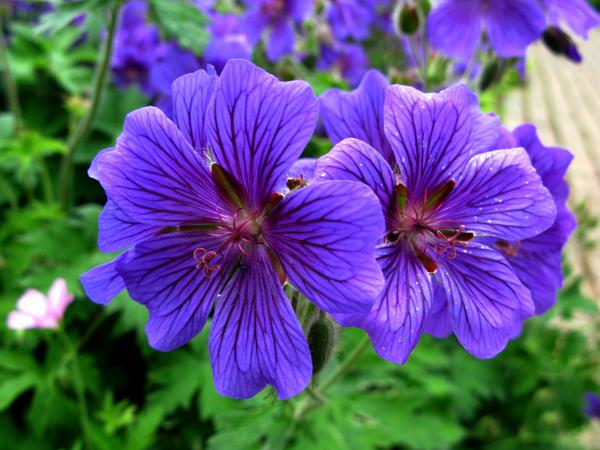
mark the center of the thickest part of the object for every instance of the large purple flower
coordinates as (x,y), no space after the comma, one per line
(202,233)
(277,17)
(450,190)
(455,27)
(577,14)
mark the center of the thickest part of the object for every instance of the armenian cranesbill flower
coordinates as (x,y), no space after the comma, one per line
(278,18)
(195,200)
(455,27)
(449,189)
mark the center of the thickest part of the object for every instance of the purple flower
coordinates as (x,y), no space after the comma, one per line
(175,63)
(351,18)
(200,233)
(36,310)
(227,42)
(537,260)
(592,408)
(277,17)
(137,47)
(455,27)
(577,14)
(451,189)
(349,59)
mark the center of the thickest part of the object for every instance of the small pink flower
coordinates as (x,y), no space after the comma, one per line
(35,310)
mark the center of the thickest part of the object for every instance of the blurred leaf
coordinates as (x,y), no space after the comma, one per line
(13,386)
(182,21)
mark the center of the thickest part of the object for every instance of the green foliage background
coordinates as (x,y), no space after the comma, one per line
(100,376)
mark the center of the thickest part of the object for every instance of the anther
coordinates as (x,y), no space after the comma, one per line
(450,241)
(204,258)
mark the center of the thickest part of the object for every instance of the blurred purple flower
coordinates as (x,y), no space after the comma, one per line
(278,18)
(227,42)
(201,233)
(351,18)
(451,189)
(592,407)
(175,63)
(577,14)
(349,59)
(137,47)
(35,310)
(455,27)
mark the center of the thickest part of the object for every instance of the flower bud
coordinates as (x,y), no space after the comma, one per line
(560,43)
(322,337)
(409,20)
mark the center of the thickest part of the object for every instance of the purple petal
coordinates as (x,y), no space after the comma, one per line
(500,194)
(551,163)
(103,283)
(538,261)
(349,19)
(359,113)
(255,338)
(258,126)
(154,175)
(281,40)
(578,14)
(437,322)
(511,25)
(434,135)
(454,28)
(118,231)
(395,323)
(325,235)
(356,160)
(191,96)
(304,167)
(161,274)
(485,299)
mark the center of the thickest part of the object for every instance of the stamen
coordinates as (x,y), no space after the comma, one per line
(204,259)
(508,249)
(449,242)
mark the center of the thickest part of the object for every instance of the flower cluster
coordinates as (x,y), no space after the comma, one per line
(426,216)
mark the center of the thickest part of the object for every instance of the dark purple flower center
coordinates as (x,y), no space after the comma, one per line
(414,223)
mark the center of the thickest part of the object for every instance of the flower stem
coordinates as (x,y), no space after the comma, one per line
(86,122)
(317,396)
(9,83)
(79,390)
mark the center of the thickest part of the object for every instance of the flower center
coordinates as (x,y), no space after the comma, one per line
(415,224)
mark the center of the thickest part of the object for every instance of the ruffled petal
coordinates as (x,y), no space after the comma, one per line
(259,127)
(434,135)
(117,230)
(512,25)
(499,194)
(358,114)
(255,339)
(325,235)
(395,324)
(154,175)
(33,303)
(356,160)
(454,28)
(161,274)
(191,95)
(103,283)
(486,300)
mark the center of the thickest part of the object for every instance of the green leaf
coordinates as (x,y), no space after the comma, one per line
(11,388)
(182,21)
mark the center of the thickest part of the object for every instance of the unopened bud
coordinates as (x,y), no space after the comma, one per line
(322,337)
(560,43)
(409,20)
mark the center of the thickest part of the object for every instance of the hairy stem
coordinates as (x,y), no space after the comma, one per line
(86,122)
(79,389)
